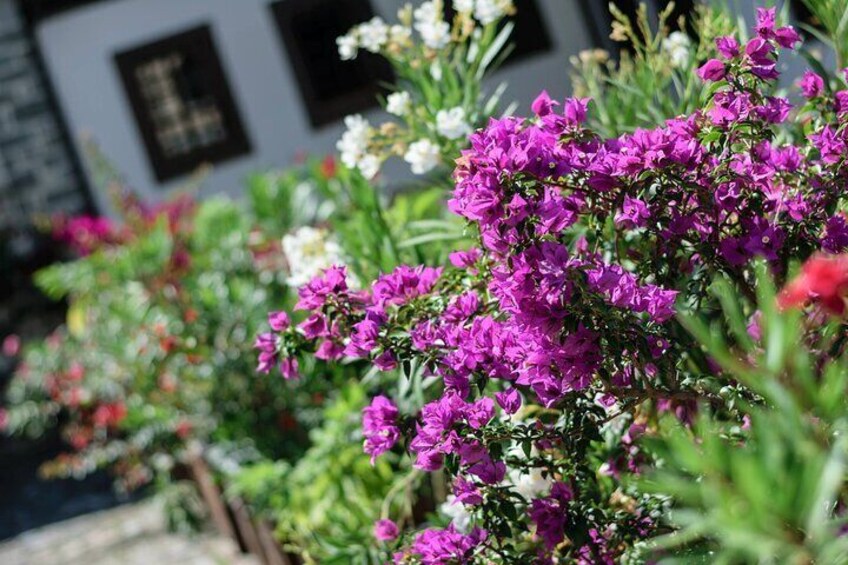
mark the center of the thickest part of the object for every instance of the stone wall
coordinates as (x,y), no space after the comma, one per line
(37,173)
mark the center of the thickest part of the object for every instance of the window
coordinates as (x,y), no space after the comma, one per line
(182,103)
(330,88)
(531,33)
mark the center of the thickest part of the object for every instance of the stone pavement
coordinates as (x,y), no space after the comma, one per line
(130,534)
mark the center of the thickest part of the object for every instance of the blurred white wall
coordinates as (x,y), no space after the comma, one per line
(79,45)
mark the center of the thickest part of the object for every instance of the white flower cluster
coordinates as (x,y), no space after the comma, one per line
(353,146)
(676,46)
(431,25)
(452,123)
(309,251)
(399,103)
(372,36)
(423,156)
(484,11)
(428,21)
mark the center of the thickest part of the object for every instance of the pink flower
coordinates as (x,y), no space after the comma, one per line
(509,400)
(711,71)
(289,368)
(379,425)
(266,343)
(727,46)
(575,110)
(385,530)
(11,345)
(543,105)
(279,321)
(549,514)
(811,84)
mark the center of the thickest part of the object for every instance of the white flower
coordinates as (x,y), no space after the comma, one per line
(368,165)
(463,6)
(354,141)
(427,12)
(373,34)
(423,156)
(348,46)
(436,70)
(451,123)
(353,146)
(677,45)
(357,124)
(434,34)
(162,462)
(398,103)
(488,11)
(530,485)
(308,252)
(434,30)
(399,34)
(455,510)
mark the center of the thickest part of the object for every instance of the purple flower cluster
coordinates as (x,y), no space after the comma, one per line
(379,425)
(403,284)
(268,345)
(86,234)
(549,514)
(443,547)
(835,238)
(440,434)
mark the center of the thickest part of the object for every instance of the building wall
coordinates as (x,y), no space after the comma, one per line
(36,168)
(79,45)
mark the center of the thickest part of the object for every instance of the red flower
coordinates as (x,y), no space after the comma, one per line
(328,167)
(183,429)
(109,415)
(168,343)
(79,440)
(823,280)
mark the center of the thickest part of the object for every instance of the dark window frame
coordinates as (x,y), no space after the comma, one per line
(529,16)
(599,19)
(200,43)
(364,97)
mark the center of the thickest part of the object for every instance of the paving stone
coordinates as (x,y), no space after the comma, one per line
(130,534)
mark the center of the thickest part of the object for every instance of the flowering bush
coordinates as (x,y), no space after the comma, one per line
(531,369)
(438,98)
(139,370)
(164,305)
